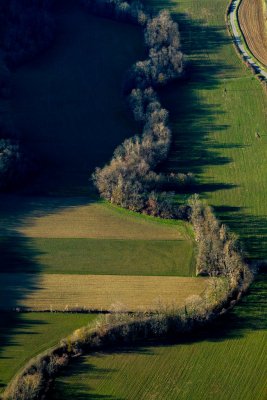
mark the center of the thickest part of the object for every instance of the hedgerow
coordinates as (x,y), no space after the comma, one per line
(129,180)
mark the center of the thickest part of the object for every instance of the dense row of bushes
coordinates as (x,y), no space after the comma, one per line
(226,285)
(219,252)
(129,179)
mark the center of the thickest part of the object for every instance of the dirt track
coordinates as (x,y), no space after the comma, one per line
(253,25)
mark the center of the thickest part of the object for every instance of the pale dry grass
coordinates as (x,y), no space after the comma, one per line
(46,217)
(252,21)
(98,292)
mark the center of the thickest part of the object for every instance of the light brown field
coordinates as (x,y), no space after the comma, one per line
(95,292)
(252,21)
(54,217)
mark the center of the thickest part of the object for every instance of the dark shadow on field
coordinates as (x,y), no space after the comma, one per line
(75,114)
(192,121)
(68,105)
(251,229)
(13,322)
(16,255)
(19,266)
(79,390)
(249,315)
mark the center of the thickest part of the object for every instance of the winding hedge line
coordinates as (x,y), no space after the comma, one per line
(129,179)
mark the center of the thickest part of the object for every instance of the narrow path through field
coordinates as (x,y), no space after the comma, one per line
(240,41)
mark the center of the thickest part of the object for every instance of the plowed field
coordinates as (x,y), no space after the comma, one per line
(253,25)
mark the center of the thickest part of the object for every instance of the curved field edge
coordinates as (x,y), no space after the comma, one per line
(25,335)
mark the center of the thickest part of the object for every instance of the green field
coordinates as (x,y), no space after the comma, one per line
(103,257)
(23,336)
(227,362)
(215,114)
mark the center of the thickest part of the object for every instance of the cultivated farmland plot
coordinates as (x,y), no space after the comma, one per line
(252,19)
(98,292)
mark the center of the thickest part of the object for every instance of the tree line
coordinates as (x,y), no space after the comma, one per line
(129,180)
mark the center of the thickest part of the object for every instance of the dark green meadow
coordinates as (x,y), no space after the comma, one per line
(74,114)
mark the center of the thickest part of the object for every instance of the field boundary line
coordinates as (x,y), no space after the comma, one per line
(240,42)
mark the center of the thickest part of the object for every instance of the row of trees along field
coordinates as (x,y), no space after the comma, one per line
(27,28)
(129,179)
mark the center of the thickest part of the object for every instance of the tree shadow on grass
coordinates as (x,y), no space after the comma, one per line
(252,230)
(192,120)
(20,269)
(68,89)
(12,325)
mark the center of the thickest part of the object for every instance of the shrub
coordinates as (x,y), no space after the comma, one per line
(162,31)
(12,165)
(219,252)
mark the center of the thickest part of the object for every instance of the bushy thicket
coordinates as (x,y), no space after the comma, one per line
(129,179)
(165,60)
(219,253)
(27,27)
